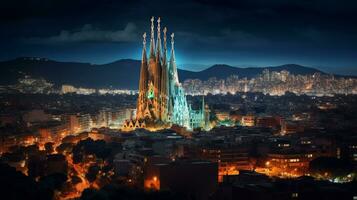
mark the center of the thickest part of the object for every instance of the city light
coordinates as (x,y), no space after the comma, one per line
(230,119)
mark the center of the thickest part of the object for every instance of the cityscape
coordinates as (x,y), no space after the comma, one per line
(152,127)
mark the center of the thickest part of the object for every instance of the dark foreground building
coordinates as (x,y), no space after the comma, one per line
(251,185)
(193,179)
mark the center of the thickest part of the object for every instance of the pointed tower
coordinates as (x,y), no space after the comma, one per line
(152,39)
(164,56)
(158,42)
(173,82)
(203,105)
(164,82)
(173,68)
(152,74)
(143,83)
(202,111)
(161,100)
(152,59)
(155,63)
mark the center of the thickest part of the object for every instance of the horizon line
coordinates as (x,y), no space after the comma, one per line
(206,66)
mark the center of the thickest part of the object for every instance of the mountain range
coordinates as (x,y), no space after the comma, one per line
(122,74)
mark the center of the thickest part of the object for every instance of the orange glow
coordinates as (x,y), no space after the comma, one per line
(84,184)
(284,168)
(152,183)
(227,171)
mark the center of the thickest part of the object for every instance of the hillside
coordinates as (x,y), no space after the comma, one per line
(119,74)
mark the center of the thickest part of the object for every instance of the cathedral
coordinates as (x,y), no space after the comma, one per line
(162,101)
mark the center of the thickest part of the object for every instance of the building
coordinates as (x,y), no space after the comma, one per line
(52,131)
(248,120)
(78,122)
(291,127)
(288,164)
(104,118)
(68,89)
(230,159)
(35,116)
(162,101)
(194,179)
(119,116)
(200,118)
(268,122)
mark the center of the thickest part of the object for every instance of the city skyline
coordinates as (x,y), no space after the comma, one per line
(178,100)
(319,34)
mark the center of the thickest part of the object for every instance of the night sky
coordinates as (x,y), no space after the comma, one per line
(318,33)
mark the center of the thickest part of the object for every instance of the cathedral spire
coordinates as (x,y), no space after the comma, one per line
(165,47)
(144,59)
(161,99)
(142,82)
(164,82)
(203,106)
(152,40)
(158,42)
(173,61)
(172,47)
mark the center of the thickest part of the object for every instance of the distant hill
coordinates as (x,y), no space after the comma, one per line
(223,71)
(120,74)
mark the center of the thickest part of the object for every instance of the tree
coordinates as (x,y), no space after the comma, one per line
(330,167)
(53,181)
(36,166)
(113,192)
(92,173)
(90,147)
(65,148)
(15,185)
(49,147)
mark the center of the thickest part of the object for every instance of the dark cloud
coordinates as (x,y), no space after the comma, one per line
(230,39)
(311,32)
(89,34)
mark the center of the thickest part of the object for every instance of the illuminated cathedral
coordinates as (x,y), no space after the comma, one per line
(162,101)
